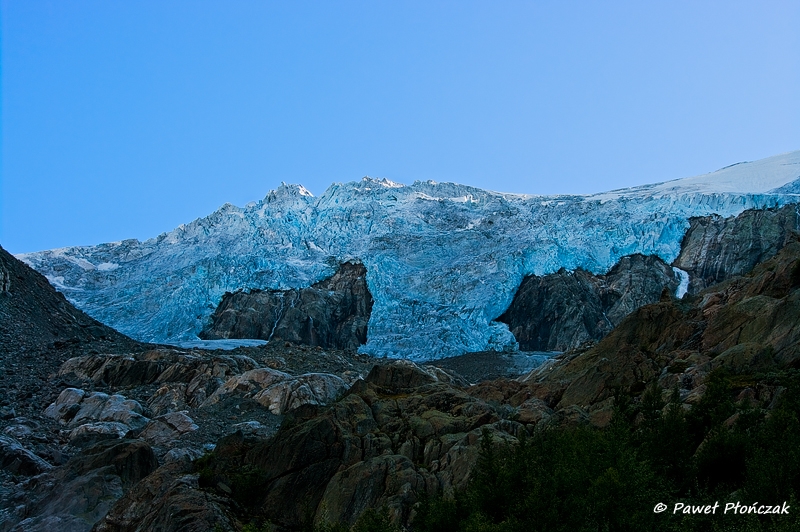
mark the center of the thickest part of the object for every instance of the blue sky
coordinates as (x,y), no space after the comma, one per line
(124,119)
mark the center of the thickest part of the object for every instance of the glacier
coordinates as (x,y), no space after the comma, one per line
(443,260)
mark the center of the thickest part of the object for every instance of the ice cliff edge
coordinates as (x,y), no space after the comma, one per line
(443,260)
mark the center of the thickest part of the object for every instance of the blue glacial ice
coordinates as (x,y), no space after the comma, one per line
(443,259)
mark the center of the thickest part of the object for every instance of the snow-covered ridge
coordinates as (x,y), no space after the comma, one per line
(443,259)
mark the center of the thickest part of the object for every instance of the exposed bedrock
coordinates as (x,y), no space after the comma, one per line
(715,248)
(402,433)
(34,317)
(746,325)
(567,308)
(332,313)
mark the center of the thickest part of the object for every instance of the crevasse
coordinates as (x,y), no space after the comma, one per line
(443,260)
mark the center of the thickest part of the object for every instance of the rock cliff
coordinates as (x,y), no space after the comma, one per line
(716,248)
(568,308)
(332,313)
(747,325)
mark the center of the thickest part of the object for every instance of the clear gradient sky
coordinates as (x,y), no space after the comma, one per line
(125,119)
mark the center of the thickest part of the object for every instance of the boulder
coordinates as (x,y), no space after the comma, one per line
(75,407)
(65,406)
(165,430)
(533,411)
(248,383)
(98,431)
(99,406)
(281,392)
(18,460)
(311,388)
(401,375)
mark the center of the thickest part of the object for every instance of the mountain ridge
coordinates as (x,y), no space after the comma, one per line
(443,260)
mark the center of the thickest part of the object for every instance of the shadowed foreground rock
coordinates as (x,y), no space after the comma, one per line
(168,500)
(77,495)
(403,432)
(332,313)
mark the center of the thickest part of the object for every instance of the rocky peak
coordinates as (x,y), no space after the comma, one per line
(289,193)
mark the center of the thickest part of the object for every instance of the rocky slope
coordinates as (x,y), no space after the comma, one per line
(716,248)
(40,329)
(443,260)
(405,432)
(119,446)
(86,413)
(36,317)
(747,325)
(568,308)
(332,313)
(115,419)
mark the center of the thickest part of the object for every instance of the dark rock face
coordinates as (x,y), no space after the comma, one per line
(746,325)
(18,460)
(716,248)
(402,433)
(33,316)
(74,497)
(332,313)
(565,309)
(168,500)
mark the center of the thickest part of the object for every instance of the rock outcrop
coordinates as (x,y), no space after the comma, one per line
(280,392)
(746,325)
(401,433)
(716,248)
(75,496)
(565,309)
(332,313)
(169,500)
